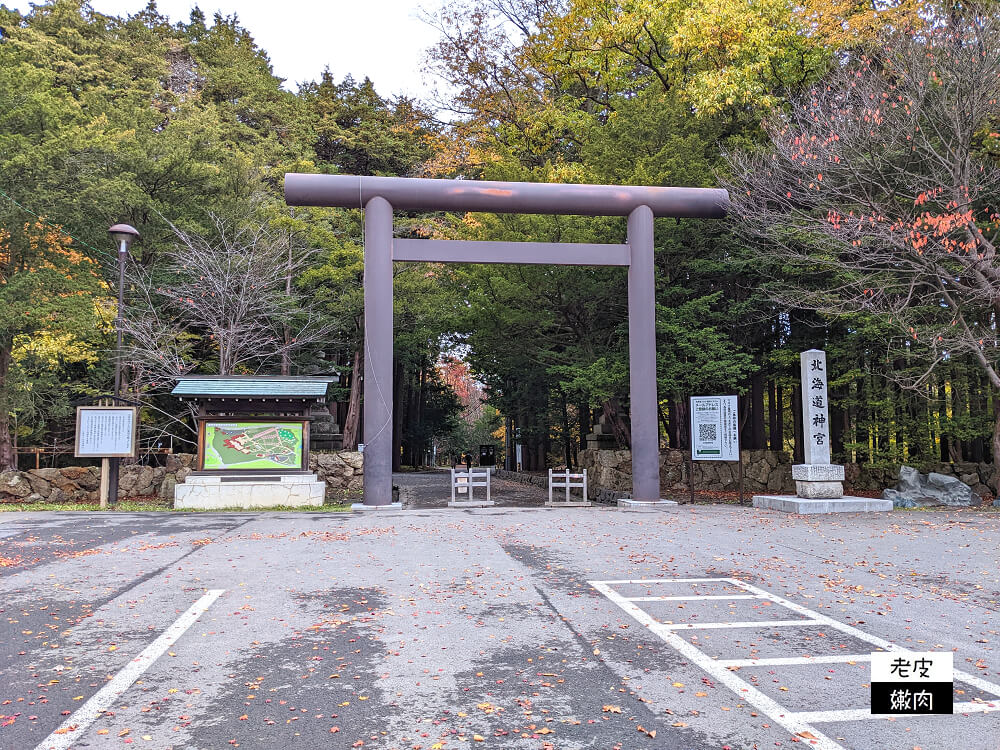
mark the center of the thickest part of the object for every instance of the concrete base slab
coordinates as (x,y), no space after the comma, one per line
(382,508)
(792,504)
(645,506)
(471,504)
(214,492)
(570,504)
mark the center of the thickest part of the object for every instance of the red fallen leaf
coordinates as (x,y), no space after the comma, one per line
(243,717)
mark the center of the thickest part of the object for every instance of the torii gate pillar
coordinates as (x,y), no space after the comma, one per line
(380,195)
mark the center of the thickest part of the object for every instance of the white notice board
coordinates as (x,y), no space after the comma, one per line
(715,428)
(106,431)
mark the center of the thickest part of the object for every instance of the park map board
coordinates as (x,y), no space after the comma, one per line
(252,445)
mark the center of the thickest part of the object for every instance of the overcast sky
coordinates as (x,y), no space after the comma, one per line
(381,39)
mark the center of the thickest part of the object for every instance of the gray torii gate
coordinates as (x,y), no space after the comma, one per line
(379,196)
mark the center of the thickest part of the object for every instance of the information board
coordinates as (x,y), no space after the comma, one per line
(237,446)
(715,428)
(106,432)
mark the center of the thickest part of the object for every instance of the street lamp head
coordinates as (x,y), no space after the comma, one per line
(124,233)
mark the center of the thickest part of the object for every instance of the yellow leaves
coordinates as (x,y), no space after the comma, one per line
(647,732)
(700,694)
(612,709)
(102,731)
(678,724)
(478,738)
(678,684)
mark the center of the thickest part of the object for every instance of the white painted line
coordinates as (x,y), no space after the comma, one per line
(690,598)
(743,689)
(665,580)
(759,624)
(969,679)
(72,729)
(793,660)
(858,714)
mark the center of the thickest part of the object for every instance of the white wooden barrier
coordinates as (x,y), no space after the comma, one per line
(567,480)
(465,482)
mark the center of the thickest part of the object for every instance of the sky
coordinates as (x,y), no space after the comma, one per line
(382,39)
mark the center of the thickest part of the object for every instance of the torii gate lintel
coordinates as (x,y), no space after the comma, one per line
(378,196)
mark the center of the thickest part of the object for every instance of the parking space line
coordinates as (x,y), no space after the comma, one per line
(795,721)
(792,660)
(859,714)
(666,580)
(749,624)
(969,679)
(743,689)
(690,598)
(71,729)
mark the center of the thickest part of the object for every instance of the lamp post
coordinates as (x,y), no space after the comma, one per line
(124,235)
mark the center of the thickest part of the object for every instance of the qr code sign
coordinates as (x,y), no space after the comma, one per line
(706,432)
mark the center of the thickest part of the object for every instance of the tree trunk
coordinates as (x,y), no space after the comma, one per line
(352,419)
(773,439)
(8,455)
(613,413)
(798,450)
(995,474)
(567,448)
(397,414)
(585,425)
(757,411)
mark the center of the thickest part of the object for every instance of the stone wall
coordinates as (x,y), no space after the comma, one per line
(341,470)
(763,471)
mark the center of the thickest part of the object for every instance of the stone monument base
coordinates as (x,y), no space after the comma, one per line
(382,508)
(570,504)
(792,504)
(471,504)
(213,492)
(645,506)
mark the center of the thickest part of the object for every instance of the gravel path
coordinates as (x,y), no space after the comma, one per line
(429,489)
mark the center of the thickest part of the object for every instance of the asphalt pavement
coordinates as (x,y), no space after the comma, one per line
(506,628)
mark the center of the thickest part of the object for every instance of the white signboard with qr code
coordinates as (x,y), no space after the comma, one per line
(715,428)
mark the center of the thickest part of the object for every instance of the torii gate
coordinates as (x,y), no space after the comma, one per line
(379,196)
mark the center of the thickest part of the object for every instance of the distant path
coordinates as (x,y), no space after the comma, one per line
(429,489)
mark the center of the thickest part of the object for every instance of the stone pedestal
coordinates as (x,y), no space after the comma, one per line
(818,481)
(213,492)
(603,436)
(645,506)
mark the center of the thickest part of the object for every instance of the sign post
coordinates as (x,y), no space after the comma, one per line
(715,433)
(106,432)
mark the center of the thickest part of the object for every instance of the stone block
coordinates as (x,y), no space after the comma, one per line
(209,492)
(914,490)
(790,504)
(818,473)
(819,490)
(645,506)
(13,486)
(377,508)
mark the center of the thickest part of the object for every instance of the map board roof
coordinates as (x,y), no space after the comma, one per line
(252,386)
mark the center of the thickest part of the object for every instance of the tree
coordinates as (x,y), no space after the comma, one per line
(47,287)
(879,193)
(219,303)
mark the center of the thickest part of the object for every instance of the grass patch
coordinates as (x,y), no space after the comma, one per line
(131,506)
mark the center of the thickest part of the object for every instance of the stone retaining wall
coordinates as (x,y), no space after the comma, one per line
(341,470)
(763,471)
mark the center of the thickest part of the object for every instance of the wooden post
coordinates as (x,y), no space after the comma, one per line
(691,476)
(740,481)
(105,481)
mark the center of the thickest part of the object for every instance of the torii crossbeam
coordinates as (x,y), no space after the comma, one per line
(379,196)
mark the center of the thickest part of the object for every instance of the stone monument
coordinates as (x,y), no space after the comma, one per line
(819,484)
